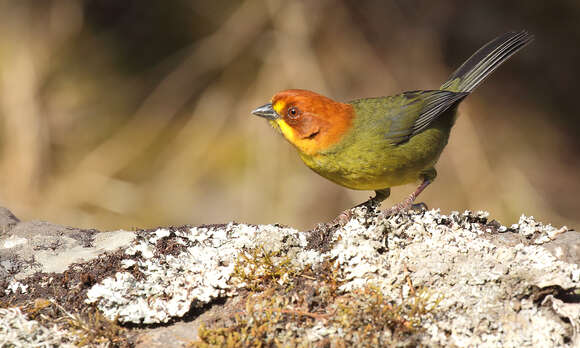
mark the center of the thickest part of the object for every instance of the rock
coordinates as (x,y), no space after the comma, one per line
(181,333)
(37,246)
(7,221)
(566,247)
(418,278)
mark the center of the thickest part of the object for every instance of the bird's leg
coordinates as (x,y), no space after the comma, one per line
(407,202)
(374,202)
(371,204)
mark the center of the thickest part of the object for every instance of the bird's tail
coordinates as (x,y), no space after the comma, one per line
(483,62)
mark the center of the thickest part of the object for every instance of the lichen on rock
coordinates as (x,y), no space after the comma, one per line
(417,278)
(196,274)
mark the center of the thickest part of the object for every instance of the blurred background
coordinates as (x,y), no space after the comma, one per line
(136,113)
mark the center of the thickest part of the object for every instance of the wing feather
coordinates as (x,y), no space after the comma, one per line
(409,121)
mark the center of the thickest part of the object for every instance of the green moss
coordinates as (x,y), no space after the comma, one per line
(257,268)
(369,318)
(287,307)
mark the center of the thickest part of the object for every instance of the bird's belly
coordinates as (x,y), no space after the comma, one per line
(364,175)
(375,166)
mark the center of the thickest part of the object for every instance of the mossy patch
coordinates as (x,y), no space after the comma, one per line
(257,268)
(286,306)
(361,318)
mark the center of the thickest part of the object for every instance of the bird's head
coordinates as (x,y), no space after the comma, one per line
(308,120)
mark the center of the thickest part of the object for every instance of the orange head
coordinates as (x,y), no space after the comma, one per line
(308,120)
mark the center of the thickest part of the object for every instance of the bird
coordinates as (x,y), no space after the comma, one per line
(381,142)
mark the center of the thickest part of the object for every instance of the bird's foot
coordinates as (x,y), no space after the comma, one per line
(399,207)
(343,218)
(408,202)
(339,221)
(419,207)
(405,206)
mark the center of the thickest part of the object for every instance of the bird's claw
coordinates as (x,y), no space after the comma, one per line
(339,221)
(419,207)
(405,205)
(343,218)
(400,207)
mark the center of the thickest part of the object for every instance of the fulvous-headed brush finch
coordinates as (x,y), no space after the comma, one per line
(378,143)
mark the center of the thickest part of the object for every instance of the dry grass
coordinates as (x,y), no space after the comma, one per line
(87,328)
(85,142)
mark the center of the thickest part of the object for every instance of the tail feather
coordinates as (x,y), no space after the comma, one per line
(483,62)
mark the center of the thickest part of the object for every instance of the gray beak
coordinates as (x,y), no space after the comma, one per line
(266,111)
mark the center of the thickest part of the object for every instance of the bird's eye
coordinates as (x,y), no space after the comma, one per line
(293,112)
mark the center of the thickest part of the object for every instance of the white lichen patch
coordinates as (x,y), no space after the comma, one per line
(15,287)
(168,285)
(17,331)
(12,242)
(540,233)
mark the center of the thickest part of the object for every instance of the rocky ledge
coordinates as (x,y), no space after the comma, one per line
(418,278)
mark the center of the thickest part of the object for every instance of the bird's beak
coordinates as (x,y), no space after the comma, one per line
(266,111)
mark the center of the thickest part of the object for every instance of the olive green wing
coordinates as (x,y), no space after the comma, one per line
(402,116)
(435,103)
